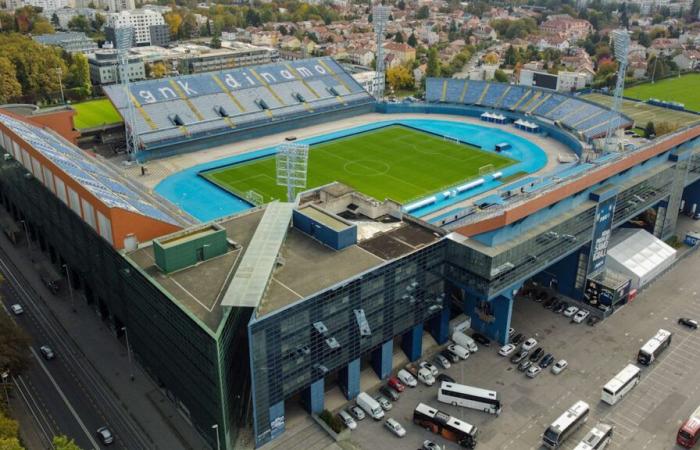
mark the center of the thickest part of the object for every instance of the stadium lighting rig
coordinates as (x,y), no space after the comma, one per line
(380,17)
(621,42)
(292,164)
(124,37)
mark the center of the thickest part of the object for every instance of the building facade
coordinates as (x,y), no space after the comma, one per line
(104,67)
(141,19)
(71,42)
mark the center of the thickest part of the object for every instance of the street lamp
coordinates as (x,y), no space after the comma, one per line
(128,352)
(6,376)
(218,443)
(70,288)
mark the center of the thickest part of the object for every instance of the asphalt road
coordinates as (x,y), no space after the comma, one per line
(65,395)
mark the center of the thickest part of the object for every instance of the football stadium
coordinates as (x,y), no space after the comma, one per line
(252,308)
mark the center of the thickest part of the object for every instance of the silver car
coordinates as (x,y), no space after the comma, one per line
(442,361)
(383,402)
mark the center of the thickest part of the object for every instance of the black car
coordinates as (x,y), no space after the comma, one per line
(546,361)
(519,357)
(549,304)
(524,365)
(481,339)
(537,354)
(451,357)
(690,323)
(541,297)
(444,377)
(561,307)
(389,392)
(592,321)
(517,339)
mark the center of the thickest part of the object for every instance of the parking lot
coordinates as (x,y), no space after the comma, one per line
(648,417)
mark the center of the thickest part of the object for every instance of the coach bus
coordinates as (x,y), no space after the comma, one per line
(566,425)
(654,346)
(596,439)
(621,384)
(445,425)
(469,397)
(689,432)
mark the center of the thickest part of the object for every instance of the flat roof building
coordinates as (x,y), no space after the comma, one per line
(71,42)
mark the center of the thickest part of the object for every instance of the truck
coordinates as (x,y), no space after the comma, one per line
(465,341)
(370,406)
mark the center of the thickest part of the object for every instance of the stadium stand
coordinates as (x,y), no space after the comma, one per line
(585,118)
(179,109)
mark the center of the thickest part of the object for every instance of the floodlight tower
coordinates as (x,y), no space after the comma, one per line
(621,42)
(380,16)
(124,35)
(292,163)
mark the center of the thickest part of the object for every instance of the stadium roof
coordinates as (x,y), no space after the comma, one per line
(177,109)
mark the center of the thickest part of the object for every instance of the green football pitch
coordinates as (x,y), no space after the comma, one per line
(395,162)
(685,89)
(95,113)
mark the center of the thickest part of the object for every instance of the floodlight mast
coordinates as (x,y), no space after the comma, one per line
(292,164)
(621,42)
(124,36)
(380,16)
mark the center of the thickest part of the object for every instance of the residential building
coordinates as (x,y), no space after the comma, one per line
(121,5)
(688,60)
(401,51)
(194,58)
(46,5)
(567,25)
(104,68)
(140,19)
(65,15)
(71,42)
(370,80)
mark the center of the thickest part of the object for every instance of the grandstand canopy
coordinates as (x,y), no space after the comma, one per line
(176,109)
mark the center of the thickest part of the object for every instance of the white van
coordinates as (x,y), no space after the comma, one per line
(426,377)
(465,341)
(406,378)
(370,406)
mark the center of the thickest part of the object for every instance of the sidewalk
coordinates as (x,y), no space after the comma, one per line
(157,416)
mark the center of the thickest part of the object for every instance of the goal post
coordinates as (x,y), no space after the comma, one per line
(253,197)
(488,168)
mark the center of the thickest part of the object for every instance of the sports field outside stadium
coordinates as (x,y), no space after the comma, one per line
(95,113)
(396,162)
(684,89)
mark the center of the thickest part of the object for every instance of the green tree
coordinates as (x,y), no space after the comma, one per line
(62,442)
(649,130)
(398,38)
(189,26)
(42,26)
(158,70)
(79,23)
(500,76)
(54,21)
(9,86)
(13,346)
(511,57)
(412,40)
(10,444)
(79,75)
(423,12)
(401,5)
(433,69)
(216,42)
(644,39)
(9,428)
(98,22)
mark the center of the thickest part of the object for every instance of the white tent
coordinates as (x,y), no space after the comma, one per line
(639,255)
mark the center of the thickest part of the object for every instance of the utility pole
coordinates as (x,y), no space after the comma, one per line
(60,83)
(218,443)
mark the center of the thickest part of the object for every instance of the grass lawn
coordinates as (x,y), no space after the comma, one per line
(95,113)
(685,89)
(394,162)
(642,113)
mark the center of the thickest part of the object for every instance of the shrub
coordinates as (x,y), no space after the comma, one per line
(332,421)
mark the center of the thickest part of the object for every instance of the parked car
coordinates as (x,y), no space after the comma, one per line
(425,376)
(481,339)
(592,320)
(347,419)
(17,309)
(426,365)
(406,378)
(389,392)
(533,371)
(507,349)
(444,378)
(105,435)
(549,303)
(395,427)
(430,445)
(383,402)
(46,352)
(357,412)
(458,350)
(511,332)
(442,361)
(450,356)
(559,366)
(536,355)
(546,361)
(570,311)
(581,315)
(517,339)
(560,307)
(519,356)
(604,308)
(396,384)
(529,344)
(524,365)
(690,323)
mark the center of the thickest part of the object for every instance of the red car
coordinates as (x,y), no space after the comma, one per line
(396,384)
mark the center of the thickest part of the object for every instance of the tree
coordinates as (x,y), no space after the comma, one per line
(500,76)
(216,42)
(174,21)
(98,22)
(79,75)
(423,12)
(398,38)
(401,5)
(433,69)
(9,86)
(158,70)
(491,58)
(649,130)
(13,346)
(54,21)
(79,23)
(511,58)
(10,444)
(9,428)
(412,40)
(399,77)
(189,26)
(42,26)
(644,39)
(62,442)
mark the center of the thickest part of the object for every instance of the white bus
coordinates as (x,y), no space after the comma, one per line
(469,397)
(654,346)
(596,439)
(445,425)
(566,425)
(621,384)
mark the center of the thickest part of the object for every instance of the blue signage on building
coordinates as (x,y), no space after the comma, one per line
(602,228)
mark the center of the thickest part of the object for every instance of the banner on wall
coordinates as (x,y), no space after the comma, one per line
(602,229)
